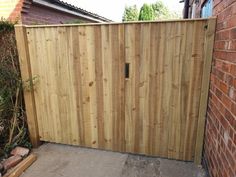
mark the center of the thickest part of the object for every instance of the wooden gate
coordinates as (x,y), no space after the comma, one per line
(129,87)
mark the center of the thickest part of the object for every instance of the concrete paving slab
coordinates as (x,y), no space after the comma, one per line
(55,160)
(172,168)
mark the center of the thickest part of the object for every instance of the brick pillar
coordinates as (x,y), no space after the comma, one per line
(220,137)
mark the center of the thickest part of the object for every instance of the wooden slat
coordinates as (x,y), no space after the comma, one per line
(92,85)
(118,63)
(72,87)
(99,86)
(25,67)
(159,99)
(78,84)
(22,166)
(129,53)
(183,86)
(83,97)
(83,49)
(166,91)
(208,51)
(107,85)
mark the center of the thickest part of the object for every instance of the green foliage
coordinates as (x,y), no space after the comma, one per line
(146,13)
(160,10)
(6,26)
(155,11)
(13,128)
(131,13)
(76,21)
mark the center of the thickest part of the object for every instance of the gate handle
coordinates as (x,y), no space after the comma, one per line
(127,70)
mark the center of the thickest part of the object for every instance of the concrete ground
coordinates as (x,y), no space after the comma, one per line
(56,160)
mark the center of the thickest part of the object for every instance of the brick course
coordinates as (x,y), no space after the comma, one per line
(28,12)
(43,15)
(220,135)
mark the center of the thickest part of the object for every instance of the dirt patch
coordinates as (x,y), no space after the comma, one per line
(141,166)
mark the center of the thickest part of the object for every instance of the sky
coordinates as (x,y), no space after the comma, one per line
(113,9)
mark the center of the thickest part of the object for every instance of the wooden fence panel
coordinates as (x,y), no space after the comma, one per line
(132,87)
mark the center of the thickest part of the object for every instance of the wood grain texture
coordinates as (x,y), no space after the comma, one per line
(83,97)
(207,55)
(21,167)
(27,78)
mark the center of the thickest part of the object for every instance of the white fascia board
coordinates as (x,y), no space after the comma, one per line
(65,10)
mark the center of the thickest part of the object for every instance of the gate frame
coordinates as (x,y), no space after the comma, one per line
(26,74)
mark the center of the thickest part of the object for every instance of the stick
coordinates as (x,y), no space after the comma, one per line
(22,166)
(14,117)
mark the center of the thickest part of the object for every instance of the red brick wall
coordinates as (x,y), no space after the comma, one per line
(15,15)
(220,136)
(37,14)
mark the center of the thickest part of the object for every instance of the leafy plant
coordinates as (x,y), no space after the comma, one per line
(13,127)
(6,26)
(131,13)
(146,13)
(154,11)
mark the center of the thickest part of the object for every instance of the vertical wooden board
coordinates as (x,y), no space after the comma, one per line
(160,72)
(194,89)
(175,87)
(83,43)
(31,35)
(166,88)
(133,122)
(62,84)
(153,88)
(99,86)
(184,82)
(25,67)
(161,56)
(194,80)
(78,84)
(52,97)
(107,84)
(72,57)
(117,45)
(122,89)
(135,107)
(145,84)
(51,39)
(188,65)
(129,40)
(178,87)
(185,77)
(43,57)
(42,68)
(197,54)
(92,84)
(172,72)
(208,52)
(114,41)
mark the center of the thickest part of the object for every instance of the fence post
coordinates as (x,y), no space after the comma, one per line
(24,59)
(209,42)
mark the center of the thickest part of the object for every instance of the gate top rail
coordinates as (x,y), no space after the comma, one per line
(117,23)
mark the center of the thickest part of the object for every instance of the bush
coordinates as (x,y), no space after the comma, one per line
(13,128)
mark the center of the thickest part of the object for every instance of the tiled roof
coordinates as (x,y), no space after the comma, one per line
(77,9)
